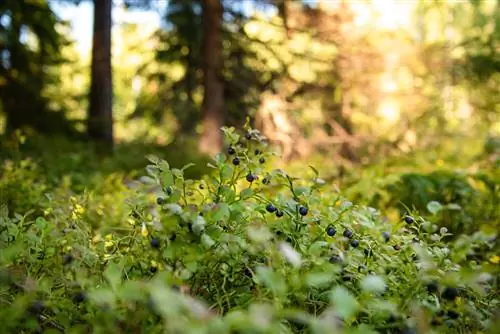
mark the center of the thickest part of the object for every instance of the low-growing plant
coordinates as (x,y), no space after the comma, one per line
(246,249)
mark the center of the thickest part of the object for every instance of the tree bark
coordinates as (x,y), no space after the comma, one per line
(100,115)
(213,96)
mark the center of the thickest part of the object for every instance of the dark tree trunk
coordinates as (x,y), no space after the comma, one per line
(213,98)
(100,115)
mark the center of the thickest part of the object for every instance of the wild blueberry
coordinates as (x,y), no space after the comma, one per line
(155,243)
(67,259)
(330,230)
(450,293)
(452,314)
(265,181)
(347,233)
(248,273)
(432,286)
(257,151)
(173,237)
(335,259)
(160,200)
(271,208)
(36,307)
(41,255)
(396,247)
(236,161)
(262,160)
(409,220)
(303,210)
(354,243)
(250,177)
(368,251)
(153,269)
(248,136)
(231,150)
(279,213)
(79,297)
(201,186)
(386,235)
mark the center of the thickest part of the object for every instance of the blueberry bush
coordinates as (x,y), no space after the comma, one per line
(247,248)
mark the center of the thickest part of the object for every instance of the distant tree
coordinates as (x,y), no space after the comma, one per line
(100,114)
(213,97)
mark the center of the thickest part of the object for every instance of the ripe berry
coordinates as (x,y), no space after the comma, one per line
(450,293)
(248,273)
(248,136)
(330,230)
(347,233)
(155,243)
(262,160)
(79,297)
(386,236)
(250,178)
(452,314)
(230,150)
(271,208)
(236,161)
(265,181)
(354,243)
(303,211)
(257,151)
(368,251)
(279,213)
(160,200)
(335,259)
(432,287)
(67,259)
(153,269)
(36,307)
(409,220)
(41,255)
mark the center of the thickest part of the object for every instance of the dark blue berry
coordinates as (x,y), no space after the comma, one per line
(409,220)
(271,208)
(354,243)
(248,273)
(155,243)
(236,161)
(279,213)
(79,297)
(67,259)
(330,230)
(257,151)
(265,181)
(432,287)
(262,160)
(160,200)
(335,259)
(452,314)
(347,233)
(303,211)
(231,150)
(153,269)
(250,177)
(41,255)
(201,186)
(386,236)
(36,307)
(450,293)
(248,136)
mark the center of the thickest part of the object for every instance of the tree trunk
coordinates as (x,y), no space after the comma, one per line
(213,97)
(100,116)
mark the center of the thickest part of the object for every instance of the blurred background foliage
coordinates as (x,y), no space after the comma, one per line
(393,102)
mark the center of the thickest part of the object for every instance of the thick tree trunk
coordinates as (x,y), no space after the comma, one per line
(100,116)
(213,98)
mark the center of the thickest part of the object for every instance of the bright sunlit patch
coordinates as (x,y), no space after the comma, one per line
(389,110)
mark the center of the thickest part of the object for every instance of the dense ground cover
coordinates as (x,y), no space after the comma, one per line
(242,247)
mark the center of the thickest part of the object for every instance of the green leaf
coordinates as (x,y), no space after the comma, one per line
(271,279)
(189,165)
(226,172)
(246,193)
(319,279)
(344,302)
(221,212)
(153,159)
(167,178)
(102,296)
(113,275)
(434,207)
(207,241)
(373,283)
(315,171)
